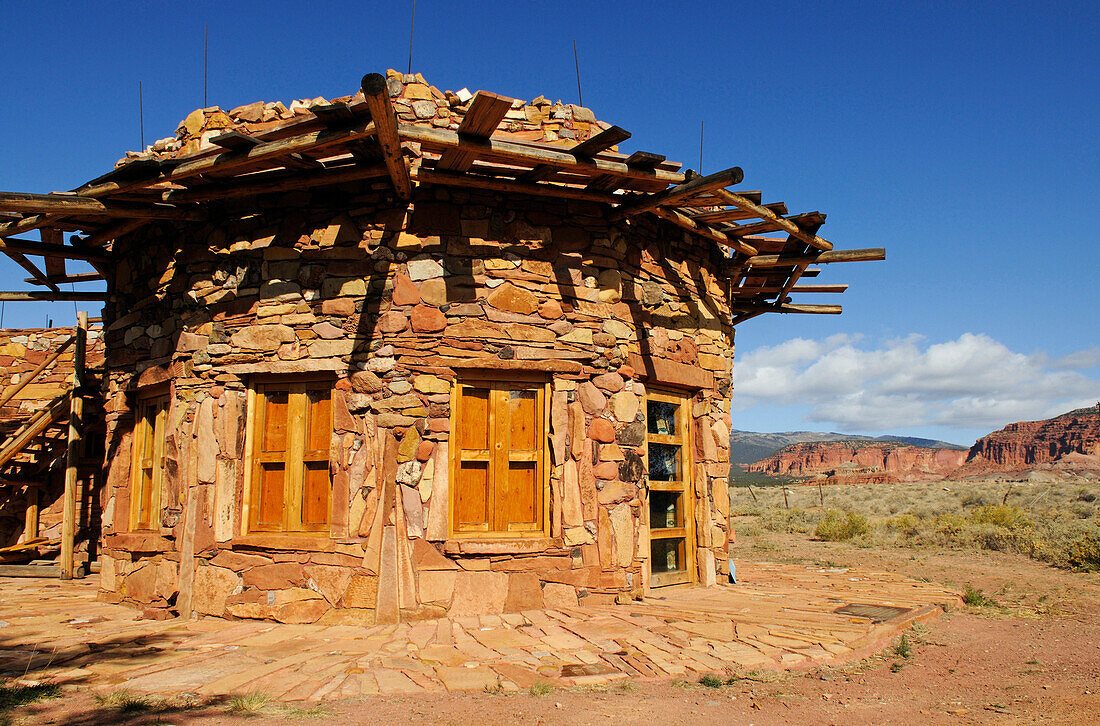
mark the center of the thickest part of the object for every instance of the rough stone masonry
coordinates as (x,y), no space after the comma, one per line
(395,304)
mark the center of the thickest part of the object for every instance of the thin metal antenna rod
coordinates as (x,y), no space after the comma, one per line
(577,63)
(205,58)
(141,117)
(700,147)
(412,27)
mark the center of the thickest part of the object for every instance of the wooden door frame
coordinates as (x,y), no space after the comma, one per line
(687,462)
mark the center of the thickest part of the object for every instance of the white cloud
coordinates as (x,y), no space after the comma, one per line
(972,382)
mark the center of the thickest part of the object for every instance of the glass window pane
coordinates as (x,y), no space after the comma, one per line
(667,555)
(662,417)
(665,510)
(664,462)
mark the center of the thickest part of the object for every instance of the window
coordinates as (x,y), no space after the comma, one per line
(290,488)
(147,467)
(499,459)
(671,536)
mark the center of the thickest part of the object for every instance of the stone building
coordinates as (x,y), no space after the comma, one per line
(412,353)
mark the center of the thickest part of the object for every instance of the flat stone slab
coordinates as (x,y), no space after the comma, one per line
(777,616)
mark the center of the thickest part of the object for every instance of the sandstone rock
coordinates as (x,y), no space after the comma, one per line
(391,322)
(550,309)
(479,593)
(339,306)
(557,595)
(611,382)
(513,299)
(405,291)
(263,337)
(427,319)
(601,430)
(572,512)
(434,292)
(424,268)
(610,286)
(524,593)
(212,585)
(624,406)
(328,331)
(365,382)
(436,586)
(622,527)
(330,581)
(591,398)
(619,329)
(431,384)
(275,577)
(362,592)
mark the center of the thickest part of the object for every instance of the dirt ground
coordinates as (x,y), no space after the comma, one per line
(1034,656)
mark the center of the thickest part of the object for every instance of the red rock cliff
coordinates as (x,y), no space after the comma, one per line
(845,462)
(1067,441)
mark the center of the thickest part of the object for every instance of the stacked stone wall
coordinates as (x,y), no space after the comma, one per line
(396,304)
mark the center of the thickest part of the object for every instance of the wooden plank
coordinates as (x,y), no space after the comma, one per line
(804,220)
(30,570)
(30,430)
(55,266)
(26,224)
(334,113)
(74,277)
(37,275)
(512,187)
(511,152)
(279,183)
(72,455)
(600,142)
(732,215)
(639,160)
(34,247)
(789,227)
(111,232)
(680,193)
(872,254)
(31,519)
(227,161)
(235,141)
(73,205)
(789,308)
(682,220)
(486,112)
(386,127)
(63,296)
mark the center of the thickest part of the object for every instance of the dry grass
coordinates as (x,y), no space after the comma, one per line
(1048,519)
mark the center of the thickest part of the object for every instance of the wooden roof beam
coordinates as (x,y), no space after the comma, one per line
(72,277)
(475,181)
(679,194)
(733,215)
(386,129)
(483,116)
(40,295)
(789,227)
(521,154)
(280,183)
(873,254)
(77,206)
(789,308)
(586,149)
(33,247)
(682,220)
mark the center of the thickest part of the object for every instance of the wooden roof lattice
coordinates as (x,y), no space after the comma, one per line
(362,138)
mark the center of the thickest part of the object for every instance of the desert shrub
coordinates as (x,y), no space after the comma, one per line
(838,526)
(975,498)
(785,520)
(1084,495)
(976,598)
(905,524)
(1084,553)
(1001,515)
(949,525)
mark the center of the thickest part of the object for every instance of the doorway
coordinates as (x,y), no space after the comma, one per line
(671,494)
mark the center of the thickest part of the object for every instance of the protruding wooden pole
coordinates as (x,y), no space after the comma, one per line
(377,96)
(72,456)
(30,530)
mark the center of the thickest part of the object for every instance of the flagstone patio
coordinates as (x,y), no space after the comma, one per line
(778,616)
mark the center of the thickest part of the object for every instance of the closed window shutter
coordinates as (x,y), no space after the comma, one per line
(148,463)
(498,460)
(292,487)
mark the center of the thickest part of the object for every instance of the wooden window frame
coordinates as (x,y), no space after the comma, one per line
(686,485)
(502,381)
(145,430)
(292,525)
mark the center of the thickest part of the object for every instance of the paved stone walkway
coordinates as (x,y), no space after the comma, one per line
(779,616)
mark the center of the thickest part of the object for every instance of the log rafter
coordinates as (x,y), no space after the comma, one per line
(364,139)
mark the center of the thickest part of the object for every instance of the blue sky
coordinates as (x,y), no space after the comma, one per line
(962,137)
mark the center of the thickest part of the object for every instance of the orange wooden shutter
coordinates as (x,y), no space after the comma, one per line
(148,462)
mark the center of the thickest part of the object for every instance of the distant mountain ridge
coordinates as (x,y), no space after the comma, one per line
(747,447)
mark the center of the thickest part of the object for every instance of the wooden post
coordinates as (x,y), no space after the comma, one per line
(786,504)
(72,456)
(30,529)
